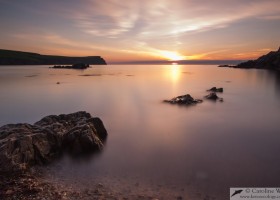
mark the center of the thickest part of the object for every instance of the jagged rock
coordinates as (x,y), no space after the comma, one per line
(214,89)
(26,145)
(213,96)
(183,100)
(82,139)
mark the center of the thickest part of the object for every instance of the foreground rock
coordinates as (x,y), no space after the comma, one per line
(24,145)
(268,61)
(183,100)
(213,96)
(214,89)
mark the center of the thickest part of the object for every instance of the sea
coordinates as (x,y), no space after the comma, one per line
(154,148)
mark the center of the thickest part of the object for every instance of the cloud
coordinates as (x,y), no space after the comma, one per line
(60,44)
(107,18)
(270,17)
(113,18)
(141,27)
(144,19)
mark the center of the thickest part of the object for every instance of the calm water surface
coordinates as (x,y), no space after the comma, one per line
(155,148)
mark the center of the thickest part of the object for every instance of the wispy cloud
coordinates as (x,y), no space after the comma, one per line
(107,18)
(270,17)
(140,27)
(113,18)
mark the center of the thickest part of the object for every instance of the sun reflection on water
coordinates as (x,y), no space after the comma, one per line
(175,72)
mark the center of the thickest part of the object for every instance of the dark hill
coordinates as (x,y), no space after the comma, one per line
(268,61)
(9,57)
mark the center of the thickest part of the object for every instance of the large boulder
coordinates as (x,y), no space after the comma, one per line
(24,145)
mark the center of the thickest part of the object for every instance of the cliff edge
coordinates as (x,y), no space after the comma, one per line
(9,57)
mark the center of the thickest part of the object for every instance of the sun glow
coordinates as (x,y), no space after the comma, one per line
(170,55)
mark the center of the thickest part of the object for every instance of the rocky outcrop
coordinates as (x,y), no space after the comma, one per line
(268,61)
(183,100)
(74,66)
(9,57)
(214,89)
(24,145)
(213,96)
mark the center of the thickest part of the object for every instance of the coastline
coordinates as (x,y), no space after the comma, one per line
(38,183)
(32,184)
(270,61)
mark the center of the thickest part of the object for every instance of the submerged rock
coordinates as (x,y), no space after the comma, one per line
(214,89)
(183,100)
(23,145)
(213,96)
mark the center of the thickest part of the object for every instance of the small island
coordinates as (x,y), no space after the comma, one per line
(74,66)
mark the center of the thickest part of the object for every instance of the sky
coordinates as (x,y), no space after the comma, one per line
(137,30)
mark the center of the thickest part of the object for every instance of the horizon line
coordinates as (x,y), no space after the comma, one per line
(179,62)
(151,62)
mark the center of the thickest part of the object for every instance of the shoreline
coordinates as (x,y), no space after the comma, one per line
(38,183)
(32,184)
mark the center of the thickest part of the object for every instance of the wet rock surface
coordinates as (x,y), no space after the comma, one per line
(24,145)
(183,100)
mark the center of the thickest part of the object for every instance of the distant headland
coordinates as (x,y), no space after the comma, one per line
(268,61)
(9,57)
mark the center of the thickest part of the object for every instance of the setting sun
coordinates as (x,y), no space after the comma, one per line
(170,55)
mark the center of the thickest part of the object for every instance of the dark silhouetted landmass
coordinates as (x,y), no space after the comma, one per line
(268,61)
(74,66)
(9,57)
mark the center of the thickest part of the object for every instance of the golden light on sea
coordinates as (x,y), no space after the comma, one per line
(175,72)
